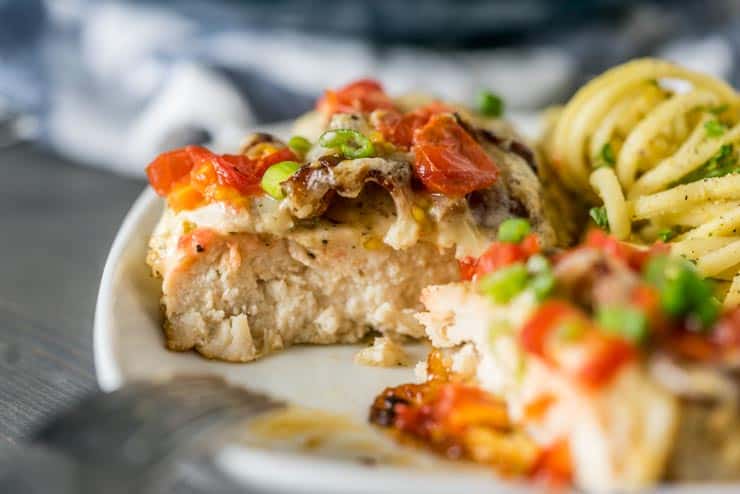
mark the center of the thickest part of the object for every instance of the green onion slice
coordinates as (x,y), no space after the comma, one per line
(504,284)
(299,144)
(514,230)
(490,104)
(629,323)
(277,174)
(351,143)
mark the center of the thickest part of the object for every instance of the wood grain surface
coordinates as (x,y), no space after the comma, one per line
(57,222)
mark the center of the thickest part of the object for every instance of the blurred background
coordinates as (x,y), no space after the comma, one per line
(91,91)
(111,83)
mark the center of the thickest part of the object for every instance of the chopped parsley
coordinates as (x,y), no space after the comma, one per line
(606,156)
(714,128)
(722,163)
(599,216)
(718,110)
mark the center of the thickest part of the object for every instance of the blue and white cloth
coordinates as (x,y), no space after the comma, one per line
(112,83)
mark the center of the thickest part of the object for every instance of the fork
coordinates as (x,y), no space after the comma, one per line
(130,440)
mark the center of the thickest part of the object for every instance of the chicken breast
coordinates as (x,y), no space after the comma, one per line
(344,250)
(661,418)
(240,296)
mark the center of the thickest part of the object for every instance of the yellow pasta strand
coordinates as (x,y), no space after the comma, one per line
(672,153)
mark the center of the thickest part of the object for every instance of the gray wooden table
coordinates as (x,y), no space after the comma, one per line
(57,221)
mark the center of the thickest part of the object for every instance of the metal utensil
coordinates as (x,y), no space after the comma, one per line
(130,440)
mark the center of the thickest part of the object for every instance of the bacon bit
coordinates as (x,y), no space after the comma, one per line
(555,465)
(361,96)
(448,160)
(497,256)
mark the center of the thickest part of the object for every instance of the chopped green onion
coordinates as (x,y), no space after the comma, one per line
(683,293)
(714,128)
(351,143)
(667,234)
(708,312)
(514,230)
(629,323)
(277,174)
(606,156)
(490,104)
(542,285)
(504,284)
(299,145)
(600,217)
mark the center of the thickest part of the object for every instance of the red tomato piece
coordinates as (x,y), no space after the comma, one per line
(362,96)
(635,258)
(237,171)
(168,169)
(448,160)
(399,129)
(598,356)
(467,267)
(605,356)
(555,465)
(245,174)
(546,318)
(497,256)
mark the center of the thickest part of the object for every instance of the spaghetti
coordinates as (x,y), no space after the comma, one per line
(658,145)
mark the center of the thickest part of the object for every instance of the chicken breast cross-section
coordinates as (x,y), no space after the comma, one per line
(345,253)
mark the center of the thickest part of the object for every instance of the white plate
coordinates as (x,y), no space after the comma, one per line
(129,345)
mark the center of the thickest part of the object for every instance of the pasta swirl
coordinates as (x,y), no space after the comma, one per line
(658,145)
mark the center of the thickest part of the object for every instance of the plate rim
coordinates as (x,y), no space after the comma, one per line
(107,370)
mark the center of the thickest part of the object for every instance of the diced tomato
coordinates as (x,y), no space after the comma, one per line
(467,267)
(593,358)
(497,256)
(555,465)
(362,96)
(399,128)
(171,171)
(605,356)
(632,256)
(448,160)
(646,298)
(168,169)
(546,318)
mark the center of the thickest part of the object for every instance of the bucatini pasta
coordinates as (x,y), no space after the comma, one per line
(657,145)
